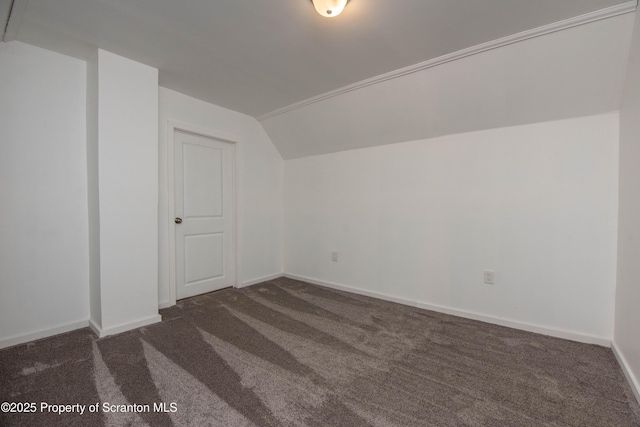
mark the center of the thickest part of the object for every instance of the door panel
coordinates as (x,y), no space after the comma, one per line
(205,252)
(202,181)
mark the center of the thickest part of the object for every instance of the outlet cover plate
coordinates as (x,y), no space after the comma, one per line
(488,277)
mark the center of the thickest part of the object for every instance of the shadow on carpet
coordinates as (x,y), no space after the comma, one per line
(287,353)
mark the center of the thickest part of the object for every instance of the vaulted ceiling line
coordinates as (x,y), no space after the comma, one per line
(609,12)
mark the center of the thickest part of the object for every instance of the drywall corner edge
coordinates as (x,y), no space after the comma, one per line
(118,329)
(634,382)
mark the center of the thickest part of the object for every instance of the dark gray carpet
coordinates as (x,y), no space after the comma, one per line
(286,353)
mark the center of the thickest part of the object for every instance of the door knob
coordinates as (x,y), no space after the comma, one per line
(178,220)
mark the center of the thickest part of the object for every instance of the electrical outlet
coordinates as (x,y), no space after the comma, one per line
(488,277)
(334,256)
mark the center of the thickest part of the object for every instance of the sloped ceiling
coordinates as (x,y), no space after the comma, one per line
(258,57)
(575,72)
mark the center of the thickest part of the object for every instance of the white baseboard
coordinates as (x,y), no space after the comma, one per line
(124,327)
(260,280)
(164,304)
(43,333)
(358,291)
(95,327)
(515,324)
(631,378)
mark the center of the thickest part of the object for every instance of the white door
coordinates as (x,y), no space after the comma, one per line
(205,252)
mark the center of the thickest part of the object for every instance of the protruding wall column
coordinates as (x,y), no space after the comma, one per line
(122,162)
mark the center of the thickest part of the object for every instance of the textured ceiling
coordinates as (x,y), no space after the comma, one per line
(258,56)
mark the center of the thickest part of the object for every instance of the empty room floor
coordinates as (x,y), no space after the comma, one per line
(287,353)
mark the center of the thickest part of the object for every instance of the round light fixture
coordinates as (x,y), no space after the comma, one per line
(329,8)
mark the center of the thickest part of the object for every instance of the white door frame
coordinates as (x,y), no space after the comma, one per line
(172,127)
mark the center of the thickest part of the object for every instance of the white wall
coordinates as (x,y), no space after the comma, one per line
(420,221)
(43,190)
(260,185)
(127,141)
(627,321)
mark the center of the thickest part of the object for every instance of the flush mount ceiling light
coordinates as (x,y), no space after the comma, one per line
(329,8)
